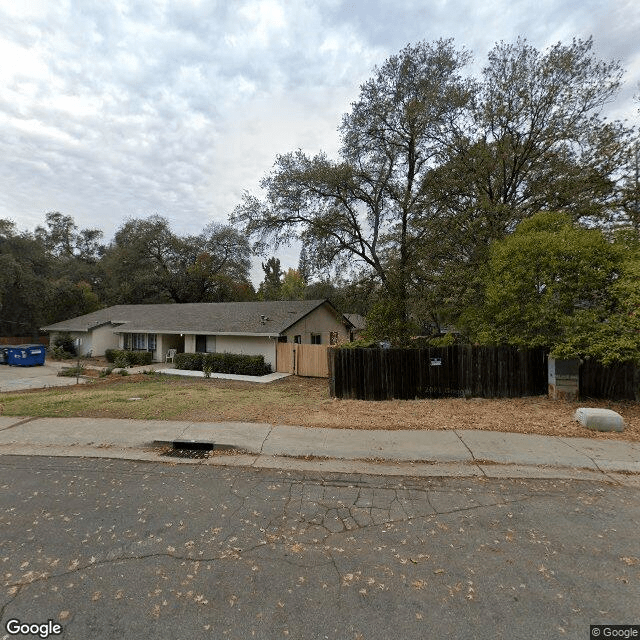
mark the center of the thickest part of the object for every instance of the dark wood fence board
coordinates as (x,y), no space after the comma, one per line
(381,374)
(620,381)
(488,372)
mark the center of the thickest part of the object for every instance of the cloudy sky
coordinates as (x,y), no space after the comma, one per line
(118,108)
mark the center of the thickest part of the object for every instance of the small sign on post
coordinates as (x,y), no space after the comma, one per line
(436,362)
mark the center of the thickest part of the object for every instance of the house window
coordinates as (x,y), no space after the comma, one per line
(333,337)
(138,341)
(297,339)
(316,338)
(282,338)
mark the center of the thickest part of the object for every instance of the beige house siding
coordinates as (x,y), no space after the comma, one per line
(103,338)
(93,342)
(322,320)
(249,345)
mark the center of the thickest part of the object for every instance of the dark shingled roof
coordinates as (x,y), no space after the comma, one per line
(203,318)
(356,320)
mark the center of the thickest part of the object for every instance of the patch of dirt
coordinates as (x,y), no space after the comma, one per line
(531,415)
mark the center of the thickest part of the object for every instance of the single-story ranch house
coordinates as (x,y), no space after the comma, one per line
(251,328)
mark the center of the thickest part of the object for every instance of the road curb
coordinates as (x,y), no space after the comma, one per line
(331,465)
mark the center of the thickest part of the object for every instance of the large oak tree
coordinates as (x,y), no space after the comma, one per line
(435,166)
(366,206)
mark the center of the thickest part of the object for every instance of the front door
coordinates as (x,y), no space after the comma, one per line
(201,344)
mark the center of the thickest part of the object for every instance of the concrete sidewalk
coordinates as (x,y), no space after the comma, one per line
(406,452)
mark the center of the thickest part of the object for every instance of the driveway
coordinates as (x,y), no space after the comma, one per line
(39,377)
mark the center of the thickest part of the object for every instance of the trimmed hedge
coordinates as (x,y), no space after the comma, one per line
(237,363)
(189,361)
(123,358)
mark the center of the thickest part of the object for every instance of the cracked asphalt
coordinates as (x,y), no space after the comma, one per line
(126,549)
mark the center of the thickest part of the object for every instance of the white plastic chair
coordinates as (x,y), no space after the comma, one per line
(171,354)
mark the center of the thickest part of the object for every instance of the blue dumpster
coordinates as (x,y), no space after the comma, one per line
(26,355)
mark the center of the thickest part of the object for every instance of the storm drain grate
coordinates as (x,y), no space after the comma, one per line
(193,449)
(195,454)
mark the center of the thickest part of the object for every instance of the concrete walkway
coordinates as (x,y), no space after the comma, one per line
(270,377)
(162,367)
(405,452)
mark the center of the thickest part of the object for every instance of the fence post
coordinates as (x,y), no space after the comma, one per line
(331,365)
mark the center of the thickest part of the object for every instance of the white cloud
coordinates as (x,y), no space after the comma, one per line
(115,109)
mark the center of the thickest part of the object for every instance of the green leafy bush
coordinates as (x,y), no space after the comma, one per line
(58,353)
(63,347)
(121,361)
(361,343)
(123,358)
(188,361)
(236,363)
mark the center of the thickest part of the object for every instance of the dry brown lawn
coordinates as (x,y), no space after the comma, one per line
(306,402)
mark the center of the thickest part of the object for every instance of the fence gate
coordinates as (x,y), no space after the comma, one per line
(308,360)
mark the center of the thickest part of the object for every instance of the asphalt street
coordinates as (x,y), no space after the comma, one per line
(130,549)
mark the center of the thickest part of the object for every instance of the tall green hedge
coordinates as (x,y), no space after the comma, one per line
(239,364)
(128,358)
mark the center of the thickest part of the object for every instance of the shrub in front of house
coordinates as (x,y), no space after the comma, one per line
(188,361)
(63,347)
(236,363)
(58,353)
(122,358)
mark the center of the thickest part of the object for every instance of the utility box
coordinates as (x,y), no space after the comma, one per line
(26,355)
(564,379)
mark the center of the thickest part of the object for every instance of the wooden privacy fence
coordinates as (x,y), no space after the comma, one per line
(460,370)
(23,340)
(618,381)
(302,359)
